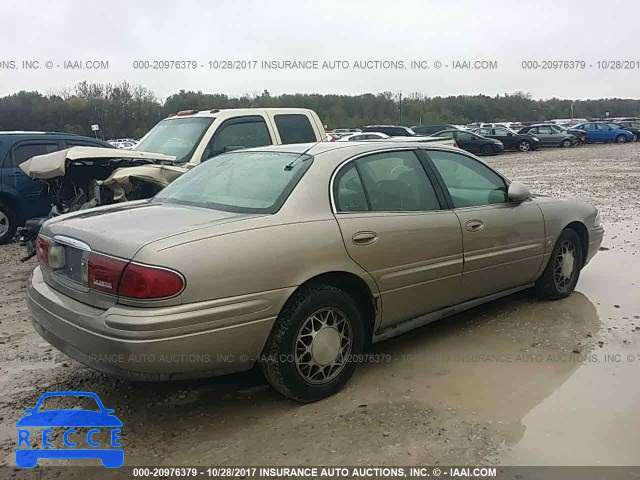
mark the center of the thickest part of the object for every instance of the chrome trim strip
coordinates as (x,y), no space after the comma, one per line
(71,242)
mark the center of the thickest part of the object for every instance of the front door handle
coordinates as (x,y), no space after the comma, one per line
(364,238)
(474,225)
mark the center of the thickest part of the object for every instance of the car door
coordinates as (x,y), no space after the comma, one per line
(592,132)
(605,132)
(395,227)
(504,242)
(547,135)
(505,137)
(468,142)
(32,200)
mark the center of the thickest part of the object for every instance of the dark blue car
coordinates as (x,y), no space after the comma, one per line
(27,456)
(20,197)
(602,132)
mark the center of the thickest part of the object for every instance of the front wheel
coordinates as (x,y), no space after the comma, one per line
(486,150)
(634,138)
(313,348)
(563,270)
(621,139)
(524,146)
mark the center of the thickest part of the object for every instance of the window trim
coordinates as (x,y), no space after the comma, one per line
(447,194)
(427,169)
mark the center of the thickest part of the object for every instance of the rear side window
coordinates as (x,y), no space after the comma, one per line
(392,181)
(23,153)
(294,128)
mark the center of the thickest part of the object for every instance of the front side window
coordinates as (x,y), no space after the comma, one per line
(247,182)
(23,153)
(237,134)
(604,127)
(470,183)
(396,182)
(296,128)
(444,135)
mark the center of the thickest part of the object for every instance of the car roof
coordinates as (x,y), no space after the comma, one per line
(214,112)
(358,147)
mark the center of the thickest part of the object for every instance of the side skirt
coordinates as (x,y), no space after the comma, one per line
(423,320)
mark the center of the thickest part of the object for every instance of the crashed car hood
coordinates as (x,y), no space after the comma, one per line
(161,175)
(52,165)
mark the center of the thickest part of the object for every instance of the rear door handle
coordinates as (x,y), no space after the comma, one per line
(474,225)
(364,238)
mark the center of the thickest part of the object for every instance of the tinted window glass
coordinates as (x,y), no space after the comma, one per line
(25,152)
(247,134)
(253,182)
(349,192)
(444,135)
(295,128)
(396,181)
(470,183)
(545,130)
(466,137)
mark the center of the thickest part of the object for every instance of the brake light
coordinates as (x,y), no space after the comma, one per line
(147,282)
(105,273)
(42,251)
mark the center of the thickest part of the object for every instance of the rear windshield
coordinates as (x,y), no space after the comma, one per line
(247,182)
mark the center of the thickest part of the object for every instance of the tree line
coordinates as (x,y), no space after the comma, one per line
(124,110)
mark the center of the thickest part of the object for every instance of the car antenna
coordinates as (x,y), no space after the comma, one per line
(290,165)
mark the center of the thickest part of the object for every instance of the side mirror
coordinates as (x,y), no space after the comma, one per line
(518,192)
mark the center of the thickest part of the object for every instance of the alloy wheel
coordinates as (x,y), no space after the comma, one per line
(564,265)
(524,146)
(323,346)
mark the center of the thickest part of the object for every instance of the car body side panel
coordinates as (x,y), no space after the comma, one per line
(416,259)
(506,252)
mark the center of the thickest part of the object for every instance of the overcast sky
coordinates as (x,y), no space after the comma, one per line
(507,31)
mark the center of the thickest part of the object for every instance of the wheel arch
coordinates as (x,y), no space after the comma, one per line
(583,234)
(12,202)
(356,287)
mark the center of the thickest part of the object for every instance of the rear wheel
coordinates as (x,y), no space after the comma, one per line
(563,270)
(486,149)
(312,350)
(621,139)
(566,143)
(8,224)
(524,145)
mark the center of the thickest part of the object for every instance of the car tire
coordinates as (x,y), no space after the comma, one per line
(8,224)
(563,269)
(289,360)
(566,143)
(486,149)
(524,146)
(621,139)
(634,138)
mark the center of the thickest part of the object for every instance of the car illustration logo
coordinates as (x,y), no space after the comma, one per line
(96,421)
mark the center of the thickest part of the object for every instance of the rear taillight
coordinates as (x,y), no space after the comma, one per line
(147,282)
(42,251)
(105,272)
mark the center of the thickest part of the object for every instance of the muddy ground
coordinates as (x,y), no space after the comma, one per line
(516,382)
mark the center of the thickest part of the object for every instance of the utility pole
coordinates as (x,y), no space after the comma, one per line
(572,110)
(400,107)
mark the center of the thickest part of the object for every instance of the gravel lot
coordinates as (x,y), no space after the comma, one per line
(449,396)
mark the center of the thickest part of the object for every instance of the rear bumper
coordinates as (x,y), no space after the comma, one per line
(187,341)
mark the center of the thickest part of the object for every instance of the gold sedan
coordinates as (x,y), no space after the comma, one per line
(296,257)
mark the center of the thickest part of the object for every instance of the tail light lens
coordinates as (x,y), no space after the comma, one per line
(105,272)
(42,251)
(147,282)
